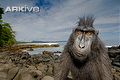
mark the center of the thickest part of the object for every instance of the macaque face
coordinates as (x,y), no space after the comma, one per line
(83,40)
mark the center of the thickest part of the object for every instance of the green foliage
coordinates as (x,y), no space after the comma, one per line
(1,12)
(7,35)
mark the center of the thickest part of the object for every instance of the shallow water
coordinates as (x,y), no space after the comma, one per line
(52,49)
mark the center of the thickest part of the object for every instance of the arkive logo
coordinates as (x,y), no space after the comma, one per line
(22,9)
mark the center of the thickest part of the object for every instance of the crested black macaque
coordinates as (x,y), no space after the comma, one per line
(84,55)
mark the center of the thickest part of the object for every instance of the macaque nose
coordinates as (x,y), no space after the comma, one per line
(82,46)
(82,43)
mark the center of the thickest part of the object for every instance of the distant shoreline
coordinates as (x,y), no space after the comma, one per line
(39,44)
(23,46)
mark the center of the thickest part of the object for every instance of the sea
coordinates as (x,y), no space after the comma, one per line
(51,49)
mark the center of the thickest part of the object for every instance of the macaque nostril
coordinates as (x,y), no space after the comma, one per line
(82,46)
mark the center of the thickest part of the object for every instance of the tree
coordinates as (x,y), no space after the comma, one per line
(7,35)
(1,12)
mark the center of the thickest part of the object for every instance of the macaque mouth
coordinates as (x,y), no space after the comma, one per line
(80,55)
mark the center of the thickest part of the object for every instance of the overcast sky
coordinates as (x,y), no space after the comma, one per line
(57,18)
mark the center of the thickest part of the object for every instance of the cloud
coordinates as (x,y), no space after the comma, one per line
(61,16)
(107,20)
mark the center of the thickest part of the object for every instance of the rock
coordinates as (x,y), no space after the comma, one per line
(41,67)
(25,55)
(28,74)
(31,49)
(21,74)
(50,70)
(36,74)
(4,68)
(35,59)
(26,77)
(56,58)
(47,56)
(57,52)
(12,73)
(32,67)
(47,78)
(113,53)
(56,65)
(117,77)
(116,61)
(116,64)
(3,76)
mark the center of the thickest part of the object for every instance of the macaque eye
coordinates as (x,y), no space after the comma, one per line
(88,33)
(78,32)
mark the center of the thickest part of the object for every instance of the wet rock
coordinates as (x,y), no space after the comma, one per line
(30,49)
(25,55)
(114,54)
(117,60)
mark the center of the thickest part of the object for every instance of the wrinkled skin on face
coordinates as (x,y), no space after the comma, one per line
(82,42)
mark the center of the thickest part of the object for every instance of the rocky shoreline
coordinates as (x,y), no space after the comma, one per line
(20,65)
(18,47)
(114,54)
(23,66)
